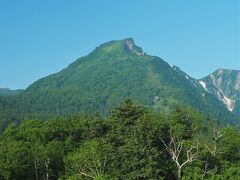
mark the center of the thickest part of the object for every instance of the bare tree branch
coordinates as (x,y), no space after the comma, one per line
(175,149)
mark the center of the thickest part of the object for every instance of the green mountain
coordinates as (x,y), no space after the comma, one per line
(134,142)
(103,79)
(225,85)
(7,92)
(115,70)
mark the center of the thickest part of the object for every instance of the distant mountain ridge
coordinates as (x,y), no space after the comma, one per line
(7,91)
(101,80)
(225,85)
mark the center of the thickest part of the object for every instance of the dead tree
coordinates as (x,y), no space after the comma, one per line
(217,134)
(206,171)
(175,148)
(92,165)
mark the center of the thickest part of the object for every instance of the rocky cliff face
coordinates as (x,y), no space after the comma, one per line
(133,48)
(225,85)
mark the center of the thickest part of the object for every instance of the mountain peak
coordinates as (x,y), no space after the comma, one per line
(225,85)
(121,46)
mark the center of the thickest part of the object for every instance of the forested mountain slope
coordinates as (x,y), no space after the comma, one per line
(100,81)
(115,70)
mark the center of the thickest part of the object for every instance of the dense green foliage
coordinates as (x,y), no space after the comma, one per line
(156,140)
(133,143)
(100,81)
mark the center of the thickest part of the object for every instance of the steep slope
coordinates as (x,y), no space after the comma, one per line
(115,70)
(225,85)
(193,82)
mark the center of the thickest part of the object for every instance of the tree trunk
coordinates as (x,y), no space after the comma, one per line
(35,167)
(179,173)
(47,168)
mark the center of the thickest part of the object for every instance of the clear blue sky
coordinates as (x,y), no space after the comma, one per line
(38,38)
